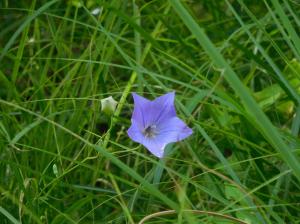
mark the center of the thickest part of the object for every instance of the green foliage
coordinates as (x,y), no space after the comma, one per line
(235,68)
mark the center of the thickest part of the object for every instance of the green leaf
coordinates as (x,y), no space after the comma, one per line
(252,109)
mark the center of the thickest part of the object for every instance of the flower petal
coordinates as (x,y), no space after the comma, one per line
(154,146)
(163,107)
(148,112)
(173,130)
(141,105)
(135,133)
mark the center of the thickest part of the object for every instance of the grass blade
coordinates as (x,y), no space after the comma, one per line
(9,216)
(259,119)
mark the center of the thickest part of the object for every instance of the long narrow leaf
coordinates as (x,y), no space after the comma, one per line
(261,121)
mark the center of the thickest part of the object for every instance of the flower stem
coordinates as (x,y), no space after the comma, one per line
(170,212)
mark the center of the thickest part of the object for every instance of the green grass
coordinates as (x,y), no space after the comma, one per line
(235,68)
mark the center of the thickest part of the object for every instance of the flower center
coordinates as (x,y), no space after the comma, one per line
(150,131)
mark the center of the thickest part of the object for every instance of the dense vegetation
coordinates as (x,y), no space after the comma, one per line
(235,67)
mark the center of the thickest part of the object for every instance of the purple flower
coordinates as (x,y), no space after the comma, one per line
(154,124)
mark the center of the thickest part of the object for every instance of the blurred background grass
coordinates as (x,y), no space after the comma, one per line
(63,161)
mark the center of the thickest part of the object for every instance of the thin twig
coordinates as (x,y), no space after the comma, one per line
(169,212)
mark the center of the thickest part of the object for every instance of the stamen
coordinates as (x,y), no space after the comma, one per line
(150,131)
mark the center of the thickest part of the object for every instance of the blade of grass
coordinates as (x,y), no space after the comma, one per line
(24,25)
(9,216)
(253,111)
(102,151)
(15,201)
(21,46)
(287,24)
(279,76)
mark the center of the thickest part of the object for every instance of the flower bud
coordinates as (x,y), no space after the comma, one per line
(55,170)
(108,105)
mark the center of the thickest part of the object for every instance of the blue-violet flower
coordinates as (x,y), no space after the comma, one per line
(154,124)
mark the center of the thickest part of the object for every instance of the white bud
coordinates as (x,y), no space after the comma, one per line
(55,170)
(31,40)
(96,11)
(108,105)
